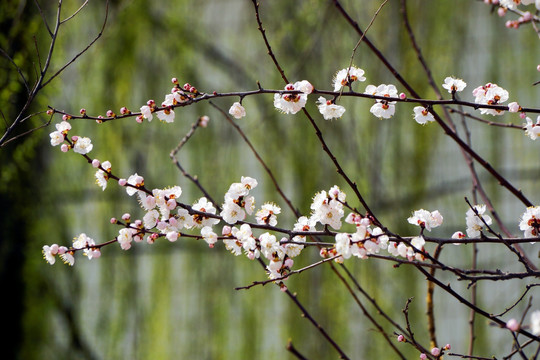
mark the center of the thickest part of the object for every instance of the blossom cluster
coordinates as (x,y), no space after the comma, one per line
(82,242)
(238,202)
(291,103)
(81,145)
(383,109)
(490,94)
(167,217)
(512,4)
(365,241)
(176,96)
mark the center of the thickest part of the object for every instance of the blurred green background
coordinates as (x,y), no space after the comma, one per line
(177,301)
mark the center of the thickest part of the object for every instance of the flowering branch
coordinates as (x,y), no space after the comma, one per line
(254,231)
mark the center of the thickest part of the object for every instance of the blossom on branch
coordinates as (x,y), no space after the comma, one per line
(327,208)
(58,136)
(135,181)
(532,130)
(267,214)
(103,176)
(422,115)
(303,224)
(535,322)
(125,237)
(204,206)
(530,222)
(83,145)
(237,110)
(50,252)
(146,112)
(426,219)
(166,115)
(512,4)
(329,110)
(293,103)
(490,94)
(238,202)
(345,77)
(454,85)
(383,109)
(476,220)
(269,245)
(209,236)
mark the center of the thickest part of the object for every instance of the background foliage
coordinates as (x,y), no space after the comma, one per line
(178,300)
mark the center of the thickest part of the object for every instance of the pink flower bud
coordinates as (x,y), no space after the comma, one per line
(402,96)
(435,351)
(64,148)
(251,256)
(523,115)
(126,217)
(527,16)
(538,67)
(95,163)
(66,117)
(186,86)
(150,103)
(113,220)
(226,231)
(62,250)
(124,110)
(289,263)
(174,81)
(96,253)
(139,119)
(283,288)
(173,221)
(400,338)
(82,111)
(512,325)
(74,138)
(138,223)
(122,182)
(54,249)
(513,107)
(161,225)
(110,113)
(171,204)
(50,112)
(446,347)
(501,12)
(203,121)
(365,221)
(423,356)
